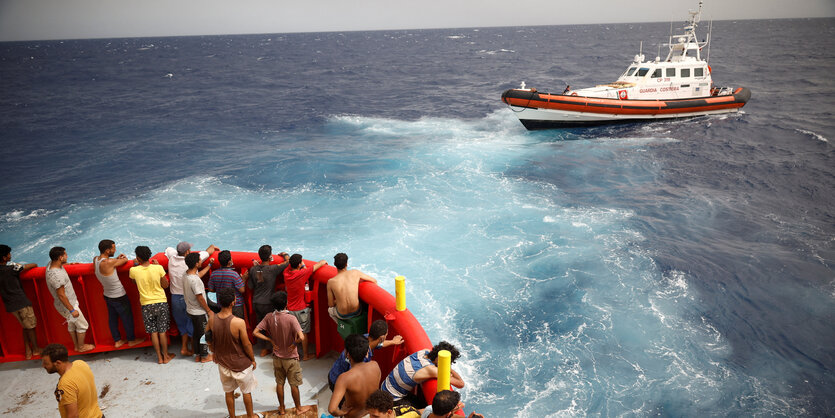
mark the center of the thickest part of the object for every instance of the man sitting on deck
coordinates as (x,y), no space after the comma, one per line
(381,405)
(343,298)
(376,336)
(295,278)
(357,384)
(445,404)
(415,369)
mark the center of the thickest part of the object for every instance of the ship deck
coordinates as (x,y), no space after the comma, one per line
(131,384)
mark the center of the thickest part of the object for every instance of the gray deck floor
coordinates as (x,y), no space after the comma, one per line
(139,387)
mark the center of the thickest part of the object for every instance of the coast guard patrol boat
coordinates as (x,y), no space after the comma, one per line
(678,86)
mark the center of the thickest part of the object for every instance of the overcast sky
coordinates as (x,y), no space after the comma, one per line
(71,19)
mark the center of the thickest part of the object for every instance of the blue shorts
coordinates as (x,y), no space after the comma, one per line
(178,309)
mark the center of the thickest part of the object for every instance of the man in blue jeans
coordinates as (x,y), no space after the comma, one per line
(176,277)
(115,297)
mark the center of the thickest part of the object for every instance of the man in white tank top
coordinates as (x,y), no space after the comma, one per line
(115,296)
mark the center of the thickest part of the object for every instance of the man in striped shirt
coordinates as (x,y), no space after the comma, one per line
(418,368)
(226,276)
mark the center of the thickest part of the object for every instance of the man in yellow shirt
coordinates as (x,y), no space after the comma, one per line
(76,391)
(151,282)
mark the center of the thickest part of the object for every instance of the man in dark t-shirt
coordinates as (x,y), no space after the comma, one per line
(262,282)
(15,300)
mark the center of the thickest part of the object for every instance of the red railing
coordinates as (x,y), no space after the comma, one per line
(52,327)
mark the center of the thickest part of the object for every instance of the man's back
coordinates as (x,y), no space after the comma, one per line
(148,283)
(227,347)
(360,382)
(283,329)
(345,289)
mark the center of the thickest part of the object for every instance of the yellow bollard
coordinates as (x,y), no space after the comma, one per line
(444,362)
(400,292)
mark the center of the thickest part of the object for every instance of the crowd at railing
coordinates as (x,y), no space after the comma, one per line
(218,310)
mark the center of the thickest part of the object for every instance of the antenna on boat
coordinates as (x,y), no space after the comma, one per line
(709,31)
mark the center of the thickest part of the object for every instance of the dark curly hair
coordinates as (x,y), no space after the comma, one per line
(443,345)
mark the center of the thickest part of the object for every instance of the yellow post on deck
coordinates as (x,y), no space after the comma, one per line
(444,362)
(400,292)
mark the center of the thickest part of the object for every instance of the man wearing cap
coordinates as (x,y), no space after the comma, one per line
(176,274)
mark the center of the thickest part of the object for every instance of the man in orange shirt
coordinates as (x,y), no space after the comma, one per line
(76,391)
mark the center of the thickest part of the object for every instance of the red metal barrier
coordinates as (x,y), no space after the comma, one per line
(52,326)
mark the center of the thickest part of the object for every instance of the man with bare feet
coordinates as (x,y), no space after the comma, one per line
(283,332)
(151,283)
(66,303)
(194,294)
(15,300)
(262,281)
(296,277)
(357,384)
(115,296)
(232,352)
(343,298)
(76,390)
(176,279)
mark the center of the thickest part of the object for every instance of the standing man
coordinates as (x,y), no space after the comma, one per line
(232,352)
(66,303)
(196,306)
(76,391)
(227,277)
(151,283)
(176,276)
(115,296)
(15,300)
(343,298)
(262,282)
(416,369)
(357,384)
(283,332)
(296,279)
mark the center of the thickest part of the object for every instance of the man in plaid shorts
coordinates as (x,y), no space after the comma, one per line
(151,282)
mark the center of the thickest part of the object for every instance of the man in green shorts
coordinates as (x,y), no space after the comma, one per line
(343,298)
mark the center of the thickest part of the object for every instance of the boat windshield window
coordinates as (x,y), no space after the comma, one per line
(671,72)
(631,71)
(642,72)
(685,72)
(698,72)
(657,73)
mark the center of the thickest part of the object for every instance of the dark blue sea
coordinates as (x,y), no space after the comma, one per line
(679,268)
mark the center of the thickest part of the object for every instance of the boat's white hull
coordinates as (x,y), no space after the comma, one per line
(543,118)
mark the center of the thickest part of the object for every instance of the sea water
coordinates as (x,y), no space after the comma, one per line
(679,268)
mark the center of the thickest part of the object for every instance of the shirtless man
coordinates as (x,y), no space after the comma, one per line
(343,296)
(357,384)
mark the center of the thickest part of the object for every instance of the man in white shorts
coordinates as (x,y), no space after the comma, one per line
(232,352)
(66,303)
